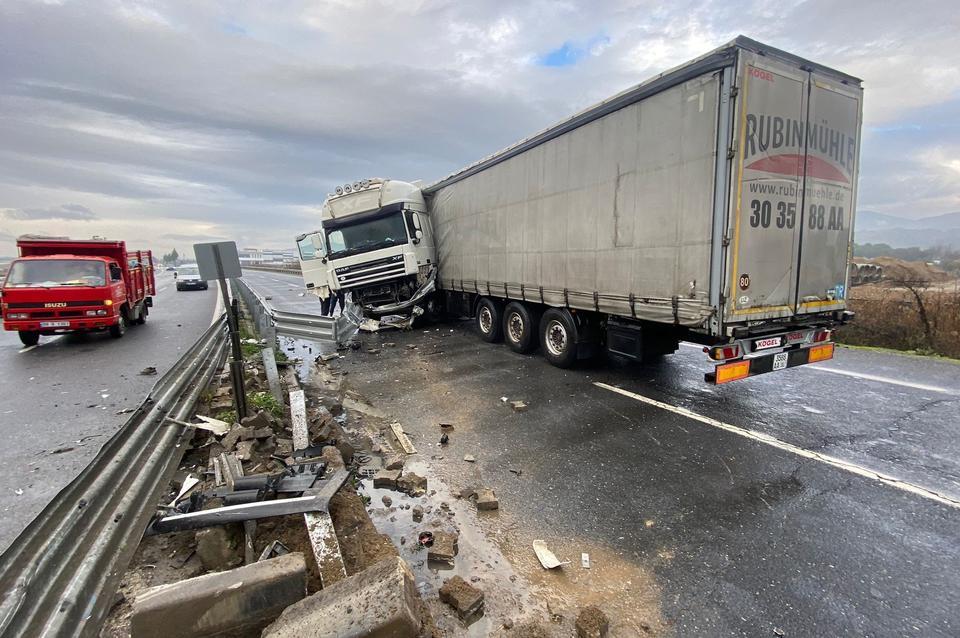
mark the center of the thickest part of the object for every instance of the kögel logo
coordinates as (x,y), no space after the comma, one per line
(760,73)
(55,304)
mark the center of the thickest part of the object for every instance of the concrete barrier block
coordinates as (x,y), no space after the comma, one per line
(379,602)
(239,602)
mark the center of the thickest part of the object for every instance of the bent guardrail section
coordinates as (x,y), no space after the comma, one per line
(291,324)
(59,576)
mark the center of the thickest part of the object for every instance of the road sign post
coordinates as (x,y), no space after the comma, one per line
(220,260)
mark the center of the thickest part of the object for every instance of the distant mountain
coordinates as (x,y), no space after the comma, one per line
(902,232)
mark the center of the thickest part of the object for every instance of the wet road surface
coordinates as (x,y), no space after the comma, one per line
(732,522)
(59,401)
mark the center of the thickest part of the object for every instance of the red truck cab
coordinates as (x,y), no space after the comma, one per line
(60,285)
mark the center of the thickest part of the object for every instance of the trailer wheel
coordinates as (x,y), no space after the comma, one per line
(558,335)
(488,321)
(119,329)
(29,338)
(142,318)
(521,328)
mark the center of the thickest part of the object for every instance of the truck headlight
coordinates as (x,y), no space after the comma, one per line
(96,313)
(18,315)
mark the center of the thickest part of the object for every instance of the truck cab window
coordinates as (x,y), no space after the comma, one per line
(115,273)
(310,247)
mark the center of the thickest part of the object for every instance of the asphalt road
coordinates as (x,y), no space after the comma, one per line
(749,509)
(59,401)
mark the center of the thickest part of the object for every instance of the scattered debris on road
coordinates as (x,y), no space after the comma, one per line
(547,558)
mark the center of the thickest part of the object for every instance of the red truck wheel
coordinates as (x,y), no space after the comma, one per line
(119,329)
(29,338)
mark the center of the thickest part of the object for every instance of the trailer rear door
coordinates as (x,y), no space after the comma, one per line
(798,137)
(833,140)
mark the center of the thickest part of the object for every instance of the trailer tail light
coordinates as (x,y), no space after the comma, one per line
(821,335)
(821,353)
(722,353)
(732,371)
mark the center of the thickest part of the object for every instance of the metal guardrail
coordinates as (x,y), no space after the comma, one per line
(285,269)
(272,321)
(59,576)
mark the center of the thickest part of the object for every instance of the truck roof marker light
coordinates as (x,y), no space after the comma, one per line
(365,183)
(347,188)
(356,186)
(732,371)
(339,190)
(821,353)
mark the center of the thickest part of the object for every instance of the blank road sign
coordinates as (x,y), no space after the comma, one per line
(207,262)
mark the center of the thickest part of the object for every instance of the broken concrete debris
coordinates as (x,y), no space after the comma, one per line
(238,602)
(466,599)
(444,548)
(219,548)
(417,513)
(387,501)
(386,478)
(487,500)
(382,600)
(469,458)
(148,371)
(592,623)
(394,463)
(518,406)
(412,484)
(245,449)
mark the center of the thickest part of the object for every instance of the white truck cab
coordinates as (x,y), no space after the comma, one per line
(375,241)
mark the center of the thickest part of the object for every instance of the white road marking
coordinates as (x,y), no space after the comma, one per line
(28,348)
(760,437)
(872,377)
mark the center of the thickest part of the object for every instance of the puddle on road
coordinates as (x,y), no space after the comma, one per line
(479,561)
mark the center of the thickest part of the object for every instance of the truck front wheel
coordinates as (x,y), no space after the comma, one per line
(29,338)
(488,321)
(520,328)
(119,329)
(558,334)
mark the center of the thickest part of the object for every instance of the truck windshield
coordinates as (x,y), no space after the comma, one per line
(48,273)
(364,236)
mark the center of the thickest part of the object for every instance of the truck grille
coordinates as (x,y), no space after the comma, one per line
(389,268)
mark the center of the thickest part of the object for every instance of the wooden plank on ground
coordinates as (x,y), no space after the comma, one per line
(273,376)
(323,538)
(298,420)
(402,439)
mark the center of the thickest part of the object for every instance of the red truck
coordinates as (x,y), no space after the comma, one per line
(61,285)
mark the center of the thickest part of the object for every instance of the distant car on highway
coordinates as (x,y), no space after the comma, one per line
(170,269)
(188,278)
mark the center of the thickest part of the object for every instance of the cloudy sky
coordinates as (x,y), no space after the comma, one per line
(166,123)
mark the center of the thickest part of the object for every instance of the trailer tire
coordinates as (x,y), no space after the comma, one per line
(119,329)
(29,337)
(559,337)
(488,320)
(521,327)
(142,318)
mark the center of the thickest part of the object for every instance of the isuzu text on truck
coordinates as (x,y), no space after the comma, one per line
(60,285)
(713,203)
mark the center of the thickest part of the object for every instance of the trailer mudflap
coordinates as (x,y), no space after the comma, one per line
(752,366)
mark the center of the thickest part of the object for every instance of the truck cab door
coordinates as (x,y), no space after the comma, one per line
(313,260)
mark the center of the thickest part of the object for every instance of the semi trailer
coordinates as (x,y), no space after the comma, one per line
(713,203)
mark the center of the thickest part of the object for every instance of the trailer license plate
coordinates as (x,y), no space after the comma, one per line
(54,324)
(780,360)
